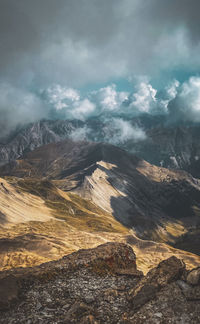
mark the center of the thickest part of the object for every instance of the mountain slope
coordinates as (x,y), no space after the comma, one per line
(170,146)
(40,223)
(175,147)
(158,204)
(31,136)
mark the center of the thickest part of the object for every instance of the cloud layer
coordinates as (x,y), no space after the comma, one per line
(76,42)
(177,103)
(51,52)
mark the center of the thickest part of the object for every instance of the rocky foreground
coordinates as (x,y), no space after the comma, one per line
(100,285)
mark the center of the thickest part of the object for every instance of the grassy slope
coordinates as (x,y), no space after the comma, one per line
(75,223)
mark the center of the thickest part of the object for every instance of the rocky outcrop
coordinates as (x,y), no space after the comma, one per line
(100,285)
(166,272)
(193,277)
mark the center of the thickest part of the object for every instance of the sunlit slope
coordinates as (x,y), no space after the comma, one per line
(64,223)
(17,206)
(158,204)
(49,223)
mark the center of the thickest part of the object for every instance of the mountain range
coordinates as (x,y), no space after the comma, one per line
(60,194)
(94,187)
(167,145)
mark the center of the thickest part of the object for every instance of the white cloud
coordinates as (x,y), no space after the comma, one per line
(80,134)
(69,101)
(118,131)
(18,106)
(83,109)
(61,97)
(188,99)
(108,98)
(170,93)
(172,89)
(177,101)
(144,100)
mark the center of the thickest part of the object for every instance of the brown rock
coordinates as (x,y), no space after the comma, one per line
(78,312)
(105,259)
(89,320)
(193,278)
(166,272)
(9,291)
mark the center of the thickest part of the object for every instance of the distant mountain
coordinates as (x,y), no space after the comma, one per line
(158,204)
(28,138)
(176,147)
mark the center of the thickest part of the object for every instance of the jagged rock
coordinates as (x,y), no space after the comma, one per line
(193,278)
(87,287)
(193,293)
(78,312)
(9,291)
(106,258)
(190,292)
(167,271)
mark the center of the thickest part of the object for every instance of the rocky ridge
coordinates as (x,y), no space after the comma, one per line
(170,146)
(101,285)
(158,204)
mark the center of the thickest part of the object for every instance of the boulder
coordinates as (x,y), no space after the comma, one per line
(166,272)
(193,278)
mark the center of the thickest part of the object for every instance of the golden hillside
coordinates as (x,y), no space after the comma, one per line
(40,222)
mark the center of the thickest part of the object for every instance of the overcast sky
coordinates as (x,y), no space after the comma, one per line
(91,44)
(78,42)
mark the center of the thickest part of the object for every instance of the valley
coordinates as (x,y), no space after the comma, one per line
(69,195)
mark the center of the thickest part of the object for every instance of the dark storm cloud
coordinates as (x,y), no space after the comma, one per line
(181,13)
(74,43)
(83,41)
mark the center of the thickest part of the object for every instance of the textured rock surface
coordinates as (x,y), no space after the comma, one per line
(87,287)
(193,277)
(166,272)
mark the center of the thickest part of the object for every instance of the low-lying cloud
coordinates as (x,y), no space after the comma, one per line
(186,104)
(51,50)
(17,107)
(118,131)
(177,102)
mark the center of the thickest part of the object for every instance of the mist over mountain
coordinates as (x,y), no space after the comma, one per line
(141,196)
(176,104)
(148,137)
(99,162)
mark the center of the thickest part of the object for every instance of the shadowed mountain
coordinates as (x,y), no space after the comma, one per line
(170,146)
(157,203)
(41,223)
(176,147)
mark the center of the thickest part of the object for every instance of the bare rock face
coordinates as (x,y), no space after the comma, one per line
(100,285)
(166,272)
(106,259)
(8,291)
(193,277)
